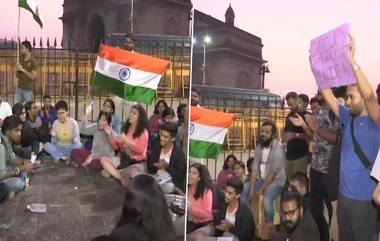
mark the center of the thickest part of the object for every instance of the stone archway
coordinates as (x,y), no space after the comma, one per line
(97,33)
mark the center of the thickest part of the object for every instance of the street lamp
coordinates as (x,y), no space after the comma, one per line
(206,40)
(262,71)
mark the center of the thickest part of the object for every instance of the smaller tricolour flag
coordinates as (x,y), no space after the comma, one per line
(208,129)
(32,7)
(129,75)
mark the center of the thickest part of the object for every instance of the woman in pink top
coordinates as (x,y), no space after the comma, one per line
(227,172)
(133,145)
(199,200)
(156,120)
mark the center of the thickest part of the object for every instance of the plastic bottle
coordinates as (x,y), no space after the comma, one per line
(37,207)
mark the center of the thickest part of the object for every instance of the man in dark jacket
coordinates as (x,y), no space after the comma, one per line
(167,160)
(301,183)
(234,218)
(296,222)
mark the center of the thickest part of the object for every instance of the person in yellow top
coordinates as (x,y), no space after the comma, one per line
(26,73)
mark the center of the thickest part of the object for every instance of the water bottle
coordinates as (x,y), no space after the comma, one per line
(37,207)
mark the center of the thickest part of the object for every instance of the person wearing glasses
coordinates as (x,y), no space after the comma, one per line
(296,222)
(64,135)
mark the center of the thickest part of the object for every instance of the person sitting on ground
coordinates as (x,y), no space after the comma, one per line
(239,172)
(133,145)
(35,122)
(64,135)
(145,215)
(28,144)
(13,170)
(100,145)
(157,119)
(296,222)
(234,219)
(48,115)
(268,171)
(199,202)
(169,116)
(167,160)
(109,106)
(227,172)
(301,183)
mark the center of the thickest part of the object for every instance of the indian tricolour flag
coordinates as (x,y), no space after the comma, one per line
(129,75)
(32,7)
(208,128)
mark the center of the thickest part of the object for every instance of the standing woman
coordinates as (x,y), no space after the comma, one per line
(199,202)
(157,119)
(109,106)
(227,172)
(133,145)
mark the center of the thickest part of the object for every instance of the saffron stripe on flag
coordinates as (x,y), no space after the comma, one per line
(134,60)
(204,149)
(136,77)
(211,117)
(123,90)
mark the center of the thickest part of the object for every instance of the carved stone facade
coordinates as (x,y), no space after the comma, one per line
(233,58)
(86,23)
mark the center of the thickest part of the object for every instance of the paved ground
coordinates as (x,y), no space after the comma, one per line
(81,205)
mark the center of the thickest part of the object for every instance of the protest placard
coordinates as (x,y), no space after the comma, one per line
(330,58)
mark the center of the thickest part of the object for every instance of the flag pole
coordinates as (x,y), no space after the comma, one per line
(18,35)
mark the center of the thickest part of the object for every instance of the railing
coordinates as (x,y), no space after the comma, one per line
(252,108)
(66,73)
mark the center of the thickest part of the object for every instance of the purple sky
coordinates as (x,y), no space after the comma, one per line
(286,28)
(50,11)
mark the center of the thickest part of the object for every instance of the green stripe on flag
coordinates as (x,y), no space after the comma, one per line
(123,90)
(204,149)
(35,12)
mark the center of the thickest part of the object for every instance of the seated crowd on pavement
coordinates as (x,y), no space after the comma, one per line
(29,135)
(324,155)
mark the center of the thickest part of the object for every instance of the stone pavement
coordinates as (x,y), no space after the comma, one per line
(81,205)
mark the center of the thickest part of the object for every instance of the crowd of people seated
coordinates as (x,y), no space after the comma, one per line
(128,152)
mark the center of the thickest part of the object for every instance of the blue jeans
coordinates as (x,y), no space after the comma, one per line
(57,152)
(22,96)
(271,194)
(244,196)
(15,184)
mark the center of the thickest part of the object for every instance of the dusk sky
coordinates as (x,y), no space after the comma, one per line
(285,27)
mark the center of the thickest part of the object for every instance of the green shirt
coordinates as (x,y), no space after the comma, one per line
(7,156)
(25,82)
